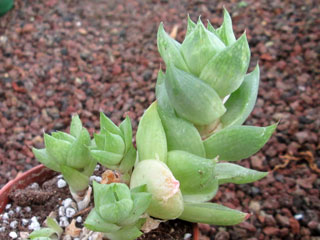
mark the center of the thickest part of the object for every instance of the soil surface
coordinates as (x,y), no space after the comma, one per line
(62,57)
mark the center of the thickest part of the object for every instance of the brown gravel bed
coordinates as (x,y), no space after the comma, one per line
(62,57)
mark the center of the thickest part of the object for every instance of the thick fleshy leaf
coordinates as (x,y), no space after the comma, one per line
(76,126)
(45,159)
(151,138)
(226,70)
(63,136)
(225,32)
(114,143)
(212,213)
(95,223)
(78,155)
(107,125)
(75,179)
(117,211)
(101,194)
(169,49)
(127,233)
(191,26)
(211,28)
(199,47)
(100,140)
(233,173)
(128,160)
(180,134)
(126,129)
(167,201)
(57,149)
(43,232)
(242,101)
(90,167)
(106,158)
(239,142)
(52,223)
(192,99)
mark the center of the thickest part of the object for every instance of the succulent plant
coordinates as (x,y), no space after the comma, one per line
(118,210)
(52,232)
(113,146)
(69,154)
(203,99)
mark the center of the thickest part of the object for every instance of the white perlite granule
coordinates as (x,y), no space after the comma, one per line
(79,219)
(67,202)
(14,224)
(13,235)
(24,221)
(8,206)
(70,212)
(27,209)
(2,229)
(63,222)
(34,225)
(61,183)
(61,211)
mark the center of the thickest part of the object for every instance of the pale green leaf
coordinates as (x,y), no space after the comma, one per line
(180,134)
(225,32)
(76,126)
(75,179)
(125,233)
(114,143)
(96,223)
(191,26)
(128,160)
(242,101)
(239,142)
(169,49)
(151,138)
(106,158)
(192,99)
(226,70)
(107,125)
(45,159)
(52,223)
(233,173)
(57,149)
(43,232)
(100,140)
(212,213)
(126,129)
(63,136)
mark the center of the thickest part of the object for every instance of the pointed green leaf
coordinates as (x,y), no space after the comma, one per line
(169,49)
(43,157)
(63,136)
(225,32)
(151,138)
(212,213)
(52,223)
(95,223)
(128,161)
(101,193)
(100,140)
(76,126)
(180,134)
(192,99)
(225,71)
(42,233)
(107,125)
(116,212)
(242,101)
(57,149)
(195,174)
(127,233)
(90,167)
(106,158)
(78,155)
(114,143)
(211,28)
(233,173)
(199,47)
(75,179)
(126,129)
(191,26)
(239,142)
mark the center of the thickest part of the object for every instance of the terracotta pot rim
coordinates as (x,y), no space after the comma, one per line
(37,174)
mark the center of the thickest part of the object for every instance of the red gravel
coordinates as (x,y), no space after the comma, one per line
(62,57)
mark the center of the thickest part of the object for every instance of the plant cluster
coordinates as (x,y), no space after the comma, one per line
(185,140)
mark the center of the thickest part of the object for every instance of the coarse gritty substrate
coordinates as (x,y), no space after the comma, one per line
(62,57)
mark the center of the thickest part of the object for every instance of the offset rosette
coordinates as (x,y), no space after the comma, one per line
(69,154)
(113,146)
(118,210)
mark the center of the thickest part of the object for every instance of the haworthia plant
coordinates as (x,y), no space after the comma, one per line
(184,139)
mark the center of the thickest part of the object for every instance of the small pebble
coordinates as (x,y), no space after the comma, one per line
(60,176)
(2,229)
(70,212)
(8,206)
(14,224)
(67,202)
(61,183)
(61,211)
(298,216)
(13,235)
(24,221)
(34,225)
(18,209)
(11,212)
(34,186)
(79,219)
(63,222)
(27,209)
(187,236)
(5,216)
(97,167)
